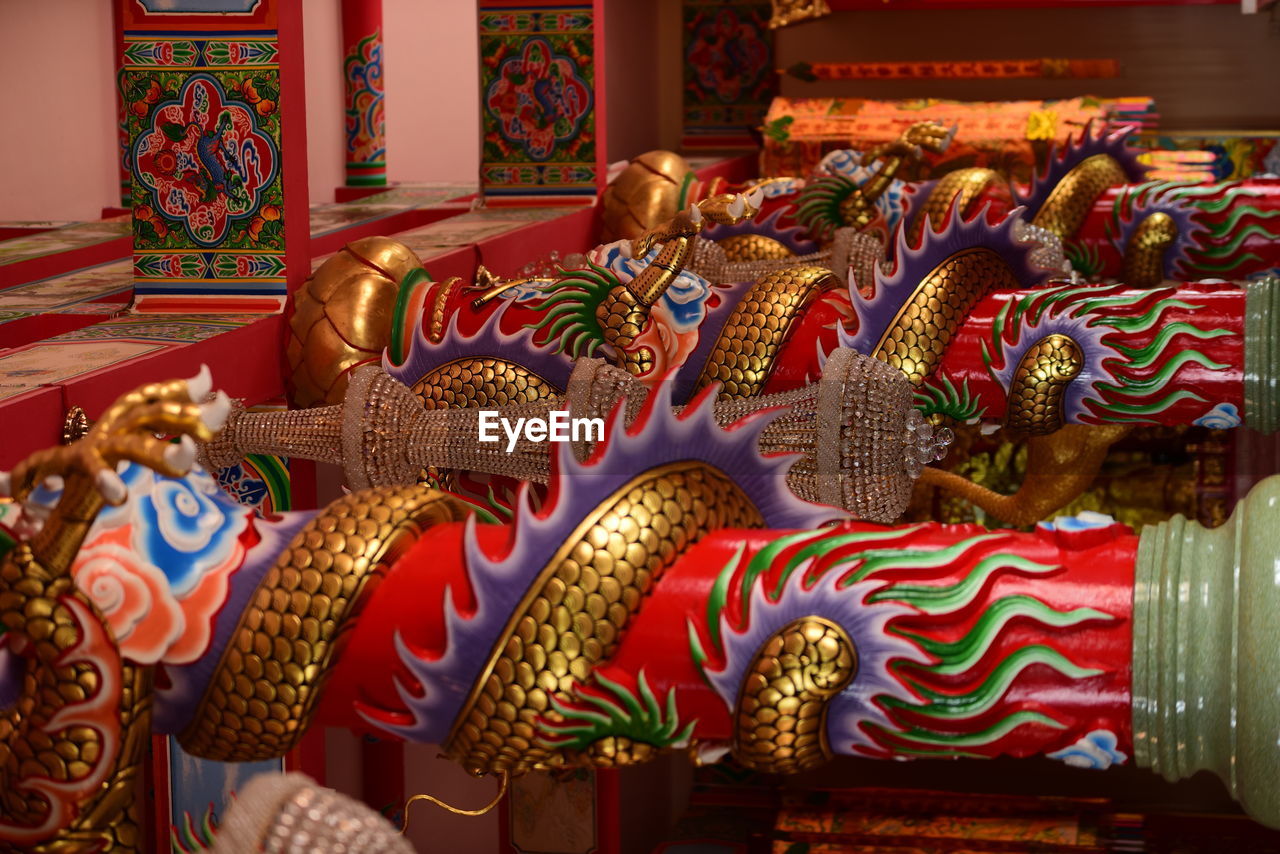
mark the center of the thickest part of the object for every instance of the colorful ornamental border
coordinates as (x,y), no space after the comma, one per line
(211,50)
(191,266)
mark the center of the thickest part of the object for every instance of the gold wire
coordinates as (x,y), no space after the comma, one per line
(500,288)
(503,779)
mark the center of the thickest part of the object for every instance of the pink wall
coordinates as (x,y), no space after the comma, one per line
(58,134)
(431,60)
(322,45)
(433,86)
(58,140)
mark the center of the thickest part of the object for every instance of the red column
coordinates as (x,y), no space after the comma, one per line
(366,126)
(1171,355)
(122,131)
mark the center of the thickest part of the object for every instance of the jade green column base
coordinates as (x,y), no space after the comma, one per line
(1262,354)
(1206,651)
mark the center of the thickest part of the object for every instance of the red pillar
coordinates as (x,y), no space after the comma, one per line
(365,101)
(122,131)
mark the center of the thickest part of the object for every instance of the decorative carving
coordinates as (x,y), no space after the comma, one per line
(578,608)
(1039,383)
(782,726)
(788,12)
(1073,197)
(1144,256)
(265,687)
(72,744)
(744,354)
(915,340)
(342,317)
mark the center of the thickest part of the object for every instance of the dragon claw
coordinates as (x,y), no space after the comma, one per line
(199,386)
(181,456)
(112,487)
(737,206)
(214,413)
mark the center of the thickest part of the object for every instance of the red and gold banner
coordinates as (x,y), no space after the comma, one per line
(940,70)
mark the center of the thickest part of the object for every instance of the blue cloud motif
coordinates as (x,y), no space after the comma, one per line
(685,298)
(847,163)
(1085,520)
(1095,750)
(780,187)
(1222,417)
(188,527)
(185,526)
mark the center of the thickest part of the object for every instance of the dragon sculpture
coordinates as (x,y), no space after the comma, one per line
(1093,196)
(672,594)
(981,325)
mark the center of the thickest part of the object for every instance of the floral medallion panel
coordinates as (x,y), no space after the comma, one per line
(729,76)
(203,121)
(538,100)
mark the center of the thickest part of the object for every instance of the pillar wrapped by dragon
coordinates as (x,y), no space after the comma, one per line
(671,594)
(1092,195)
(975,310)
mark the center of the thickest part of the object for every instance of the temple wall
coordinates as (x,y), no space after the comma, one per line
(58,132)
(433,110)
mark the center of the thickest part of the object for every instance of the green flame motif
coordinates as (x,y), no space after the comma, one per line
(188,838)
(1220,241)
(570,310)
(946,400)
(959,683)
(1085,258)
(640,718)
(1093,317)
(819,207)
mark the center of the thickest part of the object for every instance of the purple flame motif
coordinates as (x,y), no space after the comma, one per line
(489,340)
(913,264)
(852,608)
(1063,312)
(1114,382)
(1076,152)
(658,437)
(791,236)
